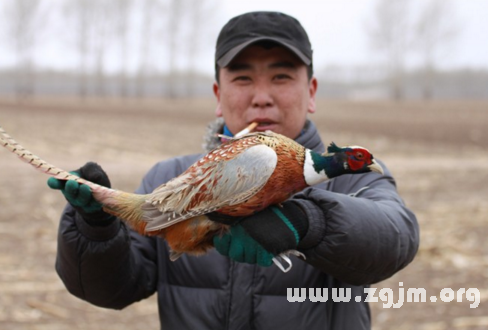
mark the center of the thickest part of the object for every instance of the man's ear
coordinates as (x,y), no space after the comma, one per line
(312,89)
(216,91)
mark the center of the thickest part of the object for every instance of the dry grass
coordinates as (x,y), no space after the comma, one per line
(438,153)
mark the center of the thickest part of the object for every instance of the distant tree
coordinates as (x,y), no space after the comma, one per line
(21,26)
(101,40)
(186,27)
(200,34)
(81,17)
(435,30)
(389,33)
(149,10)
(175,11)
(122,21)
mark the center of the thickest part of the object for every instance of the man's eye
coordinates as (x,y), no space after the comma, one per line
(241,78)
(282,76)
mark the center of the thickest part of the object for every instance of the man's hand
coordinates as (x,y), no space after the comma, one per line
(240,247)
(80,195)
(260,237)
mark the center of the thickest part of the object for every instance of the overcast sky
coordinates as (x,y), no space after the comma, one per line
(335,27)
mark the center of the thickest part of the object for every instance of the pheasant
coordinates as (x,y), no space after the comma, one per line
(244,175)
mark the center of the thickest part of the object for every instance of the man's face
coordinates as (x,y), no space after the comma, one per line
(268,86)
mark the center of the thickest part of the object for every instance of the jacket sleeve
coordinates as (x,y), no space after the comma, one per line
(360,230)
(110,266)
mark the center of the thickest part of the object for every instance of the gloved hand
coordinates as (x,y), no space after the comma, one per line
(260,237)
(80,195)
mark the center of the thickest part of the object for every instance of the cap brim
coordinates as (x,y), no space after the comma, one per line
(231,54)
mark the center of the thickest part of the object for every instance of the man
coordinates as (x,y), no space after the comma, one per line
(353,231)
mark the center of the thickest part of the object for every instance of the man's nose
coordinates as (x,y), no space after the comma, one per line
(262,98)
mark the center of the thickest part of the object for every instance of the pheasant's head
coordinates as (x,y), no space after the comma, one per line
(352,159)
(338,161)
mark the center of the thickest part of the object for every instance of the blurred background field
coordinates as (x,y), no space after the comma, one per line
(438,152)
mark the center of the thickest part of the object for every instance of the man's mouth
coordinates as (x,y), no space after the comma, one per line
(264,125)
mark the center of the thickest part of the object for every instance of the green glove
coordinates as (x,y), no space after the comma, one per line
(80,195)
(263,235)
(241,247)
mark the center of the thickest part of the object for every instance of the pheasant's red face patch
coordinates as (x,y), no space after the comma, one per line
(358,158)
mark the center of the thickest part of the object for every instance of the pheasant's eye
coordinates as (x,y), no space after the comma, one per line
(359,155)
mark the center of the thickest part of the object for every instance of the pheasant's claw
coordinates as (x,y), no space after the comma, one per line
(296,254)
(284,256)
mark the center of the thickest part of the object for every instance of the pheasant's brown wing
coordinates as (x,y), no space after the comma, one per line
(224,177)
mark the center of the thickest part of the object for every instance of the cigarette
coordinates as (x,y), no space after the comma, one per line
(247,130)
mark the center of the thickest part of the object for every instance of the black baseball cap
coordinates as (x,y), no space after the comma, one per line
(246,29)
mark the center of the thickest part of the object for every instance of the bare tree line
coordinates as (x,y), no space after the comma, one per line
(162,34)
(22,32)
(395,33)
(165,32)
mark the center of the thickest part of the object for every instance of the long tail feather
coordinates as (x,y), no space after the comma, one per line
(125,205)
(8,142)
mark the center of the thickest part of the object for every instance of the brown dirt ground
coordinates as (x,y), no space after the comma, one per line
(437,151)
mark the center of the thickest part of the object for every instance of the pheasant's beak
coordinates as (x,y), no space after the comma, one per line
(375,167)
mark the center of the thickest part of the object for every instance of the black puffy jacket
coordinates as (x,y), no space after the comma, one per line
(352,241)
